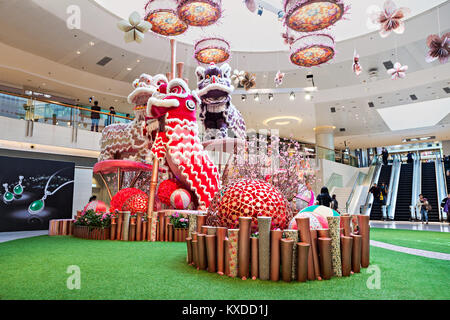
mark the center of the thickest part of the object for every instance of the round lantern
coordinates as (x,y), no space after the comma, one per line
(212,50)
(312,50)
(163,16)
(180,199)
(312,15)
(200,13)
(248,198)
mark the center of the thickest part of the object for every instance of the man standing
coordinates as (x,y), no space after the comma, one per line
(110,119)
(409,157)
(375,190)
(95,116)
(446,205)
(385,155)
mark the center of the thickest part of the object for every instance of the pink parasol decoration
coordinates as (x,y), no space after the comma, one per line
(398,72)
(439,48)
(390,18)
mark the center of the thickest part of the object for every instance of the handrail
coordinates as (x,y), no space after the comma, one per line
(396,169)
(377,163)
(440,184)
(61,104)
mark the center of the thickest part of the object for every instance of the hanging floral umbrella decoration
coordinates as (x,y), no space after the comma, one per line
(439,48)
(390,18)
(134,28)
(398,72)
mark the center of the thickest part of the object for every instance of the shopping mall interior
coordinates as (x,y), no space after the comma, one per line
(300,145)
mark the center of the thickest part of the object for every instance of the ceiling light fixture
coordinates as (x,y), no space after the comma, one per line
(256,97)
(308,97)
(281,119)
(270,96)
(292,96)
(92,43)
(129,69)
(244,97)
(78,52)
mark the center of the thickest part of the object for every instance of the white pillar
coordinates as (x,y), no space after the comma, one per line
(325,142)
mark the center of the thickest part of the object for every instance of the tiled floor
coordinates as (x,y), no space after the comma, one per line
(406,225)
(8,236)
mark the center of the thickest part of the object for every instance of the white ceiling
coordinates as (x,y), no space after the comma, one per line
(249,32)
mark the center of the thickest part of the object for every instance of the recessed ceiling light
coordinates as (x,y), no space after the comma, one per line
(78,52)
(244,97)
(292,96)
(129,69)
(270,96)
(92,43)
(308,96)
(138,60)
(256,97)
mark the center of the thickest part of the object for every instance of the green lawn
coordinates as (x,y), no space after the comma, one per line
(35,268)
(425,240)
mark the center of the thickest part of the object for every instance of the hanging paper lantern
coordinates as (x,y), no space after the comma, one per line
(163,16)
(200,13)
(210,50)
(312,50)
(312,15)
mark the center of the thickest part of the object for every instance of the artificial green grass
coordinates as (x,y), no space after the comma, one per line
(424,240)
(35,268)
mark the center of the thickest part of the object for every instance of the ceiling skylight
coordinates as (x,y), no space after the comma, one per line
(415,115)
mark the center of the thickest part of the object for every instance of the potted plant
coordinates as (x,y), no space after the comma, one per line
(181,225)
(93,225)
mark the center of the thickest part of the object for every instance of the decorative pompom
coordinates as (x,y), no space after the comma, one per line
(180,199)
(165,190)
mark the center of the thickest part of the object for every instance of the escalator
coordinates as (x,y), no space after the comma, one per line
(385,175)
(404,193)
(429,189)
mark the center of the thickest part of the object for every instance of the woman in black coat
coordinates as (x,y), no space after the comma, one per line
(324,197)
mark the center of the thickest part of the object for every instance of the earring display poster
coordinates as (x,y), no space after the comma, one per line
(33,192)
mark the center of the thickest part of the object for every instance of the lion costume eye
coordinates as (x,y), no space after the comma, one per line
(207,76)
(176,90)
(190,105)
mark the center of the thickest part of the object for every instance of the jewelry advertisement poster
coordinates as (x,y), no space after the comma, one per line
(33,192)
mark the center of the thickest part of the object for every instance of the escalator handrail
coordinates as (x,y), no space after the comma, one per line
(397,166)
(374,178)
(355,184)
(441,188)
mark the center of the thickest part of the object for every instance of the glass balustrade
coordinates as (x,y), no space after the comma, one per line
(39,110)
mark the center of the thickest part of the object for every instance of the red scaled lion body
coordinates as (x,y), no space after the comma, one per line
(178,143)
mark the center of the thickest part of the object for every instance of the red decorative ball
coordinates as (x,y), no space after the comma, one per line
(136,203)
(123,197)
(248,198)
(165,190)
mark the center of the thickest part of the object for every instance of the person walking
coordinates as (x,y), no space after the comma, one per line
(95,116)
(423,207)
(385,156)
(334,203)
(110,120)
(324,198)
(383,193)
(376,191)
(446,205)
(409,157)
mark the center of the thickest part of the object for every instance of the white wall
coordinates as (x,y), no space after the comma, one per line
(348,173)
(82,189)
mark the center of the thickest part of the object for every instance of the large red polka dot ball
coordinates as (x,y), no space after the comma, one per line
(248,198)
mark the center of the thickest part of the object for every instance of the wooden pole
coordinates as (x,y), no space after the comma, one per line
(151,231)
(173,58)
(106,185)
